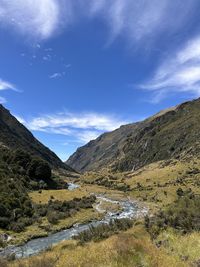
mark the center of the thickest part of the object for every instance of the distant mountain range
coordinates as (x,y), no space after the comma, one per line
(172,133)
(14,135)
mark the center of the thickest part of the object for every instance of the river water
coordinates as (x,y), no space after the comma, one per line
(129,209)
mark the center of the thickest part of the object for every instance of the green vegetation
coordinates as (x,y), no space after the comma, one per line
(20,172)
(104,230)
(58,210)
(156,162)
(182,215)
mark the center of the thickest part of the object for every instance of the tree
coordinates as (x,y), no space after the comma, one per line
(39,169)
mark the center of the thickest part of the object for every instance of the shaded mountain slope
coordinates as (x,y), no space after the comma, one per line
(15,136)
(160,137)
(102,151)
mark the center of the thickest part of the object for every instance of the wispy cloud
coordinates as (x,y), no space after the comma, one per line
(179,73)
(36,18)
(57,75)
(79,121)
(4,85)
(82,127)
(134,19)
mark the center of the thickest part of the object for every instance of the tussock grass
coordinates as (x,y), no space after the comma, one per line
(62,195)
(133,248)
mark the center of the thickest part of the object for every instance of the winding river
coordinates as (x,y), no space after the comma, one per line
(129,209)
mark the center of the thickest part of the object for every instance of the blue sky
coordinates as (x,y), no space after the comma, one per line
(73,69)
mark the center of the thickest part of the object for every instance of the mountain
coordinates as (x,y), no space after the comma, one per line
(25,164)
(171,133)
(14,135)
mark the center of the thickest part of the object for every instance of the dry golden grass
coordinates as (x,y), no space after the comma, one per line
(131,249)
(159,182)
(185,246)
(62,195)
(84,190)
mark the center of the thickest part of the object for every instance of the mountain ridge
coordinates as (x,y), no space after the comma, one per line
(161,136)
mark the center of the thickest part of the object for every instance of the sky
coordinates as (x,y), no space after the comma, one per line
(73,69)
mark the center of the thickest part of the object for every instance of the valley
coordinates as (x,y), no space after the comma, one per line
(110,214)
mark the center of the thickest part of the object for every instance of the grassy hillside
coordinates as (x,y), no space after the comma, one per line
(165,135)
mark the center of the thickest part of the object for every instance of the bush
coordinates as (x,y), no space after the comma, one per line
(53,217)
(104,230)
(183,215)
(39,169)
(17,227)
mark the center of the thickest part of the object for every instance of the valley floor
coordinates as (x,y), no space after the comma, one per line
(155,186)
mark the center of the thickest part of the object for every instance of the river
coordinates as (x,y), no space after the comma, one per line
(129,209)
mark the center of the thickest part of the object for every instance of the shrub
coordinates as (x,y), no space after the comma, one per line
(103,231)
(183,215)
(53,217)
(39,169)
(17,227)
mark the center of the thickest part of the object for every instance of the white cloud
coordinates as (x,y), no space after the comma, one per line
(87,136)
(83,127)
(135,19)
(37,18)
(141,19)
(179,73)
(79,121)
(4,85)
(56,75)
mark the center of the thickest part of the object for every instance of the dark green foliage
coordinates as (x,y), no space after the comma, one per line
(39,169)
(183,215)
(14,200)
(57,210)
(104,230)
(20,172)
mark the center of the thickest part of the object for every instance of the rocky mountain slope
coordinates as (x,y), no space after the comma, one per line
(14,135)
(170,133)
